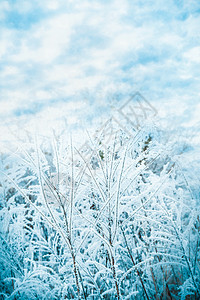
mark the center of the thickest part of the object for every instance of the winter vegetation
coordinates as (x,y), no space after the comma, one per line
(119,217)
(119,222)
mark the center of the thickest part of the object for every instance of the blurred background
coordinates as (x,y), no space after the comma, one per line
(69,63)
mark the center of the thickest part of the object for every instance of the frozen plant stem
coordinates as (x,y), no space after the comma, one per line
(68,224)
(183,250)
(131,256)
(114,274)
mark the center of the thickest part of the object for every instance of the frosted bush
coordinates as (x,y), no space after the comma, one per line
(122,224)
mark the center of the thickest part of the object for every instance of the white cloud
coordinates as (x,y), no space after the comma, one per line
(6,42)
(9,71)
(193,55)
(113,45)
(47,40)
(52,5)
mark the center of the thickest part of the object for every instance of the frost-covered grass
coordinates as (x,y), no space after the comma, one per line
(123,223)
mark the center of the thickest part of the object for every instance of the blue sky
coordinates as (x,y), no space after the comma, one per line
(74,60)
